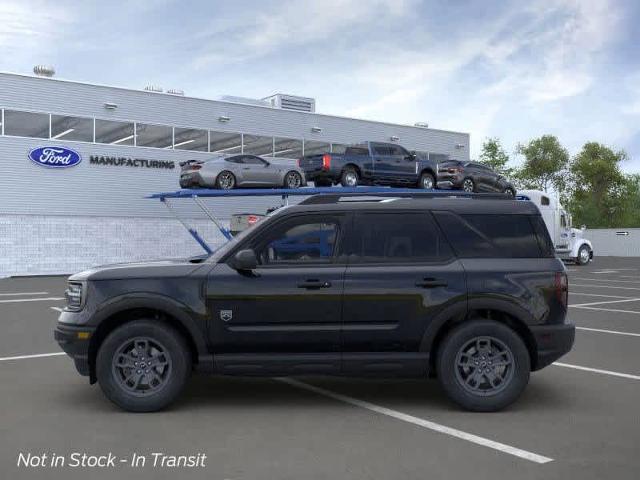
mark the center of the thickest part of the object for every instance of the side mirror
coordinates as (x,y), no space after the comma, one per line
(245,260)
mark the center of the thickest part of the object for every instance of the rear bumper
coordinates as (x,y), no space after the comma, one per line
(74,345)
(188,180)
(552,341)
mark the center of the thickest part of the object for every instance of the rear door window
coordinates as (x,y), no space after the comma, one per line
(411,237)
(490,236)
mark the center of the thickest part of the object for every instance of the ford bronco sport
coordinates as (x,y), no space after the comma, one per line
(464,289)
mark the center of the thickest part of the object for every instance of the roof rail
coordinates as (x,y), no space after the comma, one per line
(327,198)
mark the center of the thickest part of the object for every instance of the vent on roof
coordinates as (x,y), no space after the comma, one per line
(292,102)
(245,100)
(44,70)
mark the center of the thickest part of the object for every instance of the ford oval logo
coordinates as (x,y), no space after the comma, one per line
(55,157)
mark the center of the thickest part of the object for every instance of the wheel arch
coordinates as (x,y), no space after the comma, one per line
(354,166)
(156,307)
(498,310)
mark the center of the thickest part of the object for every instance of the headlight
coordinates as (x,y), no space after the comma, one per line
(74,297)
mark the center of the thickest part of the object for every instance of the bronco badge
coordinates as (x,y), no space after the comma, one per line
(226,315)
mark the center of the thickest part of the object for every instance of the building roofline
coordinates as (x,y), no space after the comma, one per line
(149,92)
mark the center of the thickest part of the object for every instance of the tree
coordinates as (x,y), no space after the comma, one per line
(495,157)
(602,195)
(545,163)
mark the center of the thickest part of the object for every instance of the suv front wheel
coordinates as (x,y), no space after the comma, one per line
(483,365)
(143,365)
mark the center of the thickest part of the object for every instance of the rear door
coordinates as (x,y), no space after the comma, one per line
(401,274)
(404,166)
(383,162)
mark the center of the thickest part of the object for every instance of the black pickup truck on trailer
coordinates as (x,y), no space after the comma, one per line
(371,163)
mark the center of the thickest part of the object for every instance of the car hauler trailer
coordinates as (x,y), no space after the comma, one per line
(568,241)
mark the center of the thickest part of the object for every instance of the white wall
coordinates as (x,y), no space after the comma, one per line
(611,242)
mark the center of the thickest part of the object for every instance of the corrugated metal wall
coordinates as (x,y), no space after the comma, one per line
(86,189)
(615,242)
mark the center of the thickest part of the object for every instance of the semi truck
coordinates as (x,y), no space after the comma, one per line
(569,242)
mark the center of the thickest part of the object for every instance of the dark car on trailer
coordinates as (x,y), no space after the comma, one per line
(371,163)
(472,177)
(462,288)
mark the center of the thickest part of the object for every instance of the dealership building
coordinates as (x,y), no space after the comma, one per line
(119,145)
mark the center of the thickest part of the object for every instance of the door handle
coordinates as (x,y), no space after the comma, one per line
(314,284)
(430,283)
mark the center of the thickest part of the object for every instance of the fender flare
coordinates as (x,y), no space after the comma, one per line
(576,247)
(460,310)
(161,303)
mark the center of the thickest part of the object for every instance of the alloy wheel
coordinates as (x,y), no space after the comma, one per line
(351,179)
(293,180)
(484,366)
(467,185)
(226,181)
(141,366)
(427,182)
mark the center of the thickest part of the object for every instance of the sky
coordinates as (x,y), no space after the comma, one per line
(508,69)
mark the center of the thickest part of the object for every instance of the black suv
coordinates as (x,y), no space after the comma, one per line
(466,289)
(472,177)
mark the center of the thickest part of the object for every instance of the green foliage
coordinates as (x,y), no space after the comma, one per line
(601,194)
(545,163)
(495,157)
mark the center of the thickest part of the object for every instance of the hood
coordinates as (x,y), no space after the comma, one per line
(155,269)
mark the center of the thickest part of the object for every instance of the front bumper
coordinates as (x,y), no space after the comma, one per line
(74,340)
(553,341)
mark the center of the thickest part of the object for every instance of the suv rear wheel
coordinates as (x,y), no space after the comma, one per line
(143,365)
(483,365)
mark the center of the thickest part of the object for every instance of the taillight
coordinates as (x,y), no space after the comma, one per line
(562,288)
(251,219)
(326,161)
(196,167)
(299,160)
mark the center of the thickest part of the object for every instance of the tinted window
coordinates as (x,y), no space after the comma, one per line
(357,151)
(237,159)
(338,148)
(26,124)
(544,200)
(397,150)
(251,160)
(397,237)
(381,150)
(71,128)
(114,133)
(490,236)
(544,240)
(309,241)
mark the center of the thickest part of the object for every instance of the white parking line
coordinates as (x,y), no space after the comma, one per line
(597,370)
(57,309)
(38,355)
(605,301)
(606,280)
(20,300)
(485,442)
(16,294)
(604,286)
(615,332)
(607,309)
(571,292)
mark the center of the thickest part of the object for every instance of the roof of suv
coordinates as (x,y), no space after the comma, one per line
(459,205)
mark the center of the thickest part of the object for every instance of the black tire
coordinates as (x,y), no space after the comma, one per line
(226,180)
(144,396)
(584,255)
(349,177)
(292,180)
(514,376)
(427,181)
(322,182)
(510,191)
(468,185)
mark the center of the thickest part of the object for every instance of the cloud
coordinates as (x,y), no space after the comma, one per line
(29,26)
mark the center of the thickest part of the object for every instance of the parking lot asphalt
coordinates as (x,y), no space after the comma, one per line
(577,419)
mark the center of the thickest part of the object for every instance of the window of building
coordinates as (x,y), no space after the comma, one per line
(225,142)
(257,145)
(158,136)
(26,124)
(308,241)
(489,236)
(287,148)
(397,238)
(191,139)
(71,128)
(338,148)
(312,147)
(114,133)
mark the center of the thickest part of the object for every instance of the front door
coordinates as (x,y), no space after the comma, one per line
(290,305)
(401,274)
